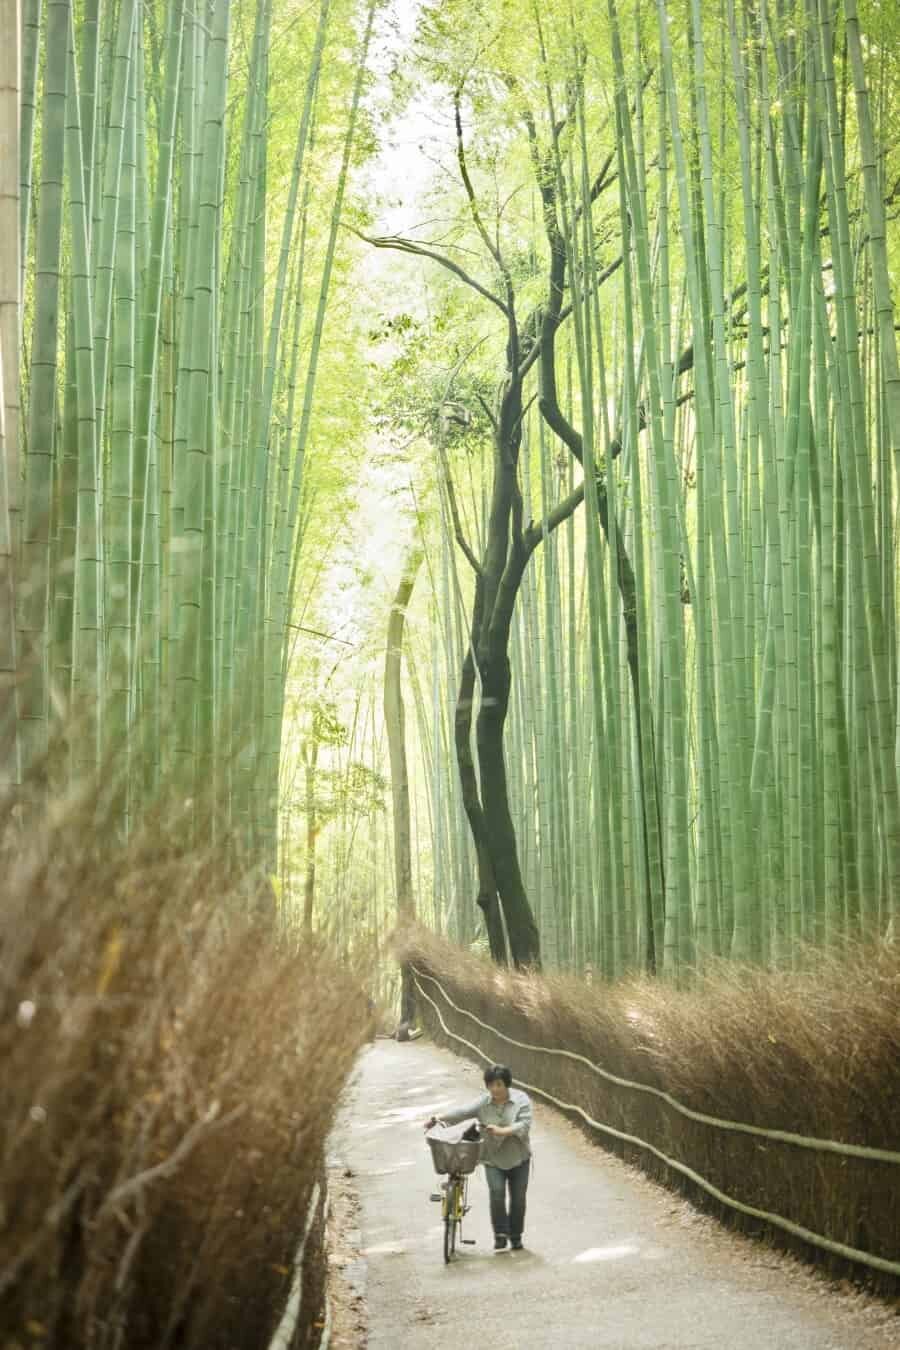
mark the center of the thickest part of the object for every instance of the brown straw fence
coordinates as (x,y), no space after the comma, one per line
(170,1062)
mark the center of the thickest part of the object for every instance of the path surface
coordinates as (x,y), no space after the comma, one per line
(611,1260)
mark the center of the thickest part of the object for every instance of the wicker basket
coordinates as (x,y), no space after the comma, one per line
(451,1153)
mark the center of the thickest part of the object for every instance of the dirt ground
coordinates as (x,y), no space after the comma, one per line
(611,1260)
(346,1265)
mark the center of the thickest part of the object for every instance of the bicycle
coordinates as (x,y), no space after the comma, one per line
(455,1159)
(453,1196)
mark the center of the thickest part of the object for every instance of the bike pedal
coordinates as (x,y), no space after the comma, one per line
(436,1195)
(470,1242)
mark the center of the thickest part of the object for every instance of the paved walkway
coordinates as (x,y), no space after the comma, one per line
(611,1259)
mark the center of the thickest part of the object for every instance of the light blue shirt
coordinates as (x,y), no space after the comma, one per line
(511,1149)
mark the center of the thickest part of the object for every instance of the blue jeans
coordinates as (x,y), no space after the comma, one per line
(516,1178)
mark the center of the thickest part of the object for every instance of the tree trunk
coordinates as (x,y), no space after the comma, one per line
(524,939)
(508,546)
(498,578)
(395,724)
(497,582)
(487,900)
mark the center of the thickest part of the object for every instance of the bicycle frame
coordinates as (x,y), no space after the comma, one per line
(454,1208)
(454,1192)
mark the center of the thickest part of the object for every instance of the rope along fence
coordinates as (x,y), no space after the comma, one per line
(784,1136)
(828,1146)
(288,1328)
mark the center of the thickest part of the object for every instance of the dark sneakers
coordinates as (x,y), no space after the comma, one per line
(500,1242)
(516,1244)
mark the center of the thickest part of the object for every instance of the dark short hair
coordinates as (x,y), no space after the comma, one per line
(497,1073)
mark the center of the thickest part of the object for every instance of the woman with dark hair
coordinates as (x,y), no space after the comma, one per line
(504,1113)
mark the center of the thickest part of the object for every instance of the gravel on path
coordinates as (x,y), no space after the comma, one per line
(611,1261)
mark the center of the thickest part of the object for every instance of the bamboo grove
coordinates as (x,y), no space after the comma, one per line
(166,282)
(651,375)
(702,728)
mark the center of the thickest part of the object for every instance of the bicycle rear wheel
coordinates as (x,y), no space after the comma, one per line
(451,1220)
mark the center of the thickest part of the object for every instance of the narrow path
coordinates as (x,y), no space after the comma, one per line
(611,1260)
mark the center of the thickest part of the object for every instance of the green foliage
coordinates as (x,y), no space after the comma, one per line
(720,736)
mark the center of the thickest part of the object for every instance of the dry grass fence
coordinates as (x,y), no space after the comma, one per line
(169,1068)
(815,1053)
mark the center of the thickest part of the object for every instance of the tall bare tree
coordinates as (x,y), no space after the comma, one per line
(509,544)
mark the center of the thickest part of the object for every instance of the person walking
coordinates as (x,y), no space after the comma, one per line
(504,1113)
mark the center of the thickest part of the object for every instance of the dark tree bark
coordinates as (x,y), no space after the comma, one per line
(508,548)
(488,900)
(498,576)
(524,938)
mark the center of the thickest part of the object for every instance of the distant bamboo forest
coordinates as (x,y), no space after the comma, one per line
(452,449)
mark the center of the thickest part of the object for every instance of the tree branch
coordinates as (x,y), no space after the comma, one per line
(401,245)
(534,349)
(560,513)
(455,517)
(600,183)
(518,514)
(487,410)
(492,248)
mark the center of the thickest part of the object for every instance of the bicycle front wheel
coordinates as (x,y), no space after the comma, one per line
(451,1220)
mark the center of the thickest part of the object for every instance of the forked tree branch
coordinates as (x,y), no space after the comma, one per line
(401,245)
(560,513)
(489,244)
(455,517)
(492,248)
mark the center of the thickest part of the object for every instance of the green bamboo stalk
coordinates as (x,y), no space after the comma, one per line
(679,936)
(31,38)
(196,468)
(746,939)
(877,235)
(10,761)
(103,246)
(882,728)
(145,504)
(120,619)
(89,26)
(833,897)
(88,643)
(270,640)
(11,293)
(42,394)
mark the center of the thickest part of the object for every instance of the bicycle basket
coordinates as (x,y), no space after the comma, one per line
(451,1153)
